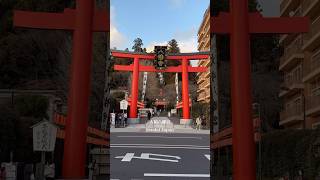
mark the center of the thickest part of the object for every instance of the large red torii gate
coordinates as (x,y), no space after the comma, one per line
(184,68)
(82,21)
(239,23)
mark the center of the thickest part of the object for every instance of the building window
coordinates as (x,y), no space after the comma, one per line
(315,87)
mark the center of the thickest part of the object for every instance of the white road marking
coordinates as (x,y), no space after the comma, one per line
(128,157)
(207,156)
(146,156)
(162,147)
(164,137)
(175,175)
(161,155)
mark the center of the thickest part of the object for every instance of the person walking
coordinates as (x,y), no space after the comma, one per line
(49,171)
(203,121)
(92,167)
(125,116)
(149,115)
(198,121)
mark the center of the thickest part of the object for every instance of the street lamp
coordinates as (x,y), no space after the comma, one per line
(303,104)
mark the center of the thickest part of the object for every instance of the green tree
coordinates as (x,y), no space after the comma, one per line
(137,47)
(173,46)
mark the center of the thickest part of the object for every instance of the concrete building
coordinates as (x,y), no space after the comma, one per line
(204,45)
(300,66)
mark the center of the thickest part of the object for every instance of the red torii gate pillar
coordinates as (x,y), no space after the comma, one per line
(136,68)
(239,23)
(134,88)
(83,21)
(185,89)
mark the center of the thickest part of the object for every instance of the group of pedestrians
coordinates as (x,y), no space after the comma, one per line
(121,120)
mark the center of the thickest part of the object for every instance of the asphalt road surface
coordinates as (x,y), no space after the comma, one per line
(154,156)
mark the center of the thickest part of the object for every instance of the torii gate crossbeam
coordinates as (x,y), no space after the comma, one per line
(184,68)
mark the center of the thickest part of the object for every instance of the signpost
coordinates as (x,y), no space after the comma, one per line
(123,105)
(44,140)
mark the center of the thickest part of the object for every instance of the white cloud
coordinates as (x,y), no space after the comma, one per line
(117,39)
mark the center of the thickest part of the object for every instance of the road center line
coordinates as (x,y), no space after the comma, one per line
(175,175)
(164,137)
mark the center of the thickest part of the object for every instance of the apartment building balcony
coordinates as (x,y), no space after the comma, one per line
(200,35)
(287,5)
(312,105)
(291,86)
(201,78)
(312,38)
(206,63)
(201,97)
(312,68)
(310,7)
(207,95)
(207,74)
(292,54)
(201,45)
(204,85)
(291,115)
(201,62)
(290,37)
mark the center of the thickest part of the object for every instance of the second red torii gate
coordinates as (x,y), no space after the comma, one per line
(184,68)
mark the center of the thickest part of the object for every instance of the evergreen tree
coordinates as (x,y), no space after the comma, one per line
(137,47)
(173,46)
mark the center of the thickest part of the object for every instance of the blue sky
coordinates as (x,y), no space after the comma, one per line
(156,22)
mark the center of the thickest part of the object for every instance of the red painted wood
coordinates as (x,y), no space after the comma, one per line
(259,24)
(75,145)
(282,25)
(134,89)
(185,89)
(153,69)
(63,21)
(40,20)
(151,56)
(244,164)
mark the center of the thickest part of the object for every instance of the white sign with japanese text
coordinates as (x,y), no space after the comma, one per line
(44,136)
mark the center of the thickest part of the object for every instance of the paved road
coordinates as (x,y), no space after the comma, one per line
(140,155)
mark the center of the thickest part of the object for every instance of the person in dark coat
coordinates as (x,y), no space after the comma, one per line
(149,115)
